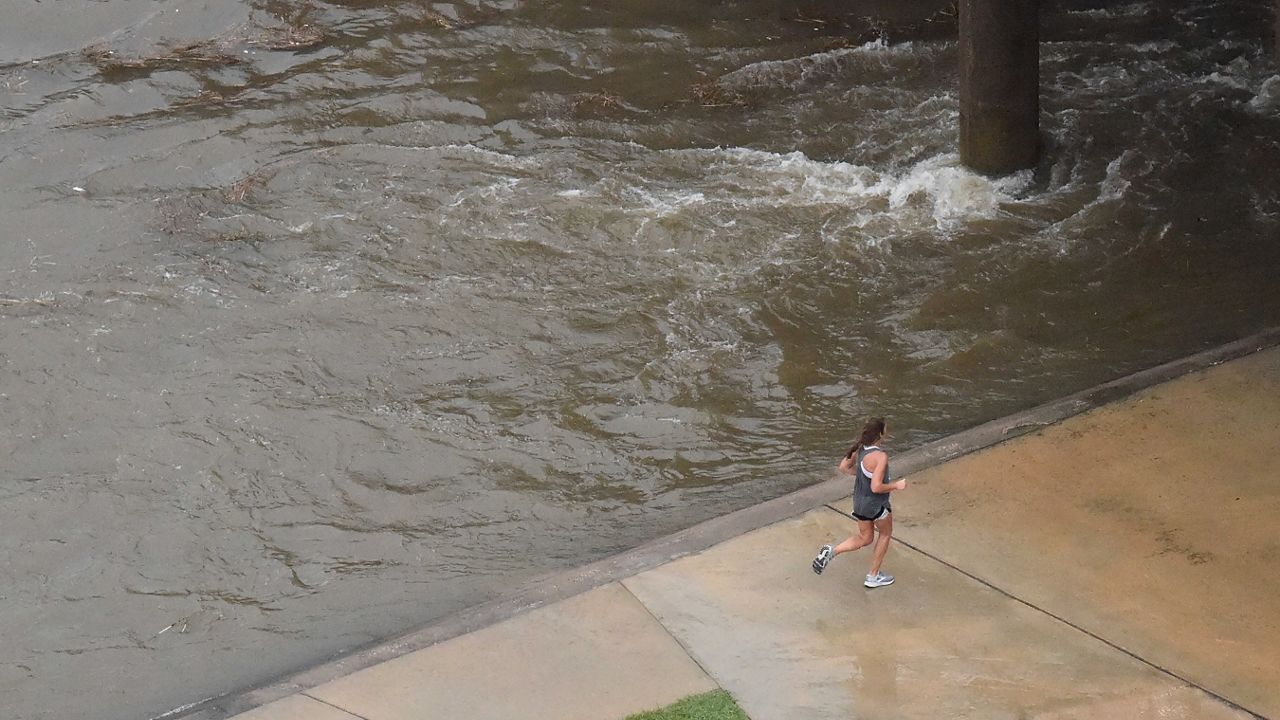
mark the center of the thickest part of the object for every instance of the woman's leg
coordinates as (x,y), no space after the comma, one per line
(864,538)
(885,528)
(827,553)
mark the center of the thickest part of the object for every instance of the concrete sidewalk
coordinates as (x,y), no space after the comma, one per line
(1121,563)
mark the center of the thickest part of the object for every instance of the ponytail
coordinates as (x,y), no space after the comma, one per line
(871,432)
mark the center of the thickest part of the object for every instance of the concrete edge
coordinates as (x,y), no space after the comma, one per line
(567,583)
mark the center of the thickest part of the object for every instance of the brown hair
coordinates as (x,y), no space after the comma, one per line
(871,432)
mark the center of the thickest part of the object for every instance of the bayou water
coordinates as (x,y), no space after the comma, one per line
(319,321)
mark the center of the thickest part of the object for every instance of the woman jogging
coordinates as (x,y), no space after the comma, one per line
(869,465)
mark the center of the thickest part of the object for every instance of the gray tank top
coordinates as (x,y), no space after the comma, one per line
(866,503)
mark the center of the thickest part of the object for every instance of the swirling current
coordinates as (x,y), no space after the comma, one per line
(323,320)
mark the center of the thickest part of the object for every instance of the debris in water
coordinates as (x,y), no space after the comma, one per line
(229,49)
(712,94)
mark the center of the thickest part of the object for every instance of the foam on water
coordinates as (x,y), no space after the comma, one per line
(1267,100)
(956,193)
(949,193)
(793,73)
(1137,9)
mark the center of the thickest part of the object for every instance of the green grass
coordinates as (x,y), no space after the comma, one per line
(716,705)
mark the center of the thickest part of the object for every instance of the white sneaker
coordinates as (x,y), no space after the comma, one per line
(825,553)
(878,580)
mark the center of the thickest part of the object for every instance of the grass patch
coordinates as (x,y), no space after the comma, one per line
(715,705)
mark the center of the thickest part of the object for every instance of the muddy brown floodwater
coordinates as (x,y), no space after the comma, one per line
(322,320)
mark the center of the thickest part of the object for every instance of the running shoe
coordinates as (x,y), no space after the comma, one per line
(877,580)
(824,556)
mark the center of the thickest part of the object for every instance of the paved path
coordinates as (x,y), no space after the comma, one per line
(1123,563)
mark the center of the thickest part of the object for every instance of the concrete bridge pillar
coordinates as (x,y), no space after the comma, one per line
(1000,84)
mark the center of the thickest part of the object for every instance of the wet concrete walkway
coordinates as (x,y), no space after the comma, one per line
(1120,563)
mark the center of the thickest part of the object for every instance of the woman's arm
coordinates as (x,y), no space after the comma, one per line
(878,485)
(846,465)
